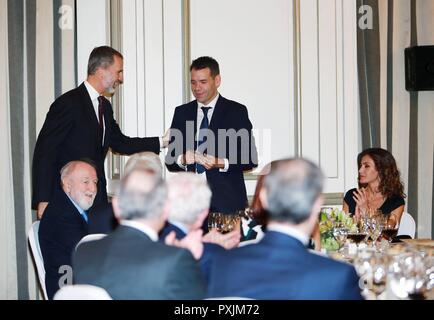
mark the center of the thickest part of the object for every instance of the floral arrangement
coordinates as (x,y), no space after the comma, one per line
(329,219)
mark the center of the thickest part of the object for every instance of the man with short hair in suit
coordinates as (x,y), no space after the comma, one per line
(80,124)
(189,198)
(212,136)
(65,220)
(280,266)
(131,263)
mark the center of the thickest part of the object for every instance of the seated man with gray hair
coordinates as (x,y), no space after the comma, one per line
(65,221)
(130,263)
(280,266)
(190,198)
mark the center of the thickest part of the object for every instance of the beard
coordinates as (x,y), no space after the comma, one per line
(85,202)
(110,85)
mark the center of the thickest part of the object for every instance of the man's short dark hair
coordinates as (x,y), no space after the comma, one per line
(206,62)
(101,57)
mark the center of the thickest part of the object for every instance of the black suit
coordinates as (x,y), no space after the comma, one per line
(71,132)
(208,249)
(228,188)
(129,265)
(61,228)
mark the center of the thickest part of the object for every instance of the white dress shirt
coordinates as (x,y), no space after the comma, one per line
(94,97)
(290,231)
(200,116)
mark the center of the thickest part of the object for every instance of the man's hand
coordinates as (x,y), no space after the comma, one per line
(166,138)
(41,209)
(228,240)
(192,241)
(209,162)
(188,158)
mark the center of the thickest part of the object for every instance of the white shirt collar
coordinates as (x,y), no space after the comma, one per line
(91,90)
(179,225)
(151,233)
(290,231)
(211,104)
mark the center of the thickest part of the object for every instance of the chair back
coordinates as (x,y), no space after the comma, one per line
(90,237)
(407,225)
(81,292)
(35,249)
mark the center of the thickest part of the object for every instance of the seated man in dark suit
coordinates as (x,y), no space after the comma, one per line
(65,220)
(280,266)
(130,263)
(189,198)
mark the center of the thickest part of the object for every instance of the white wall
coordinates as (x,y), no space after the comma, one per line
(256,45)
(92,31)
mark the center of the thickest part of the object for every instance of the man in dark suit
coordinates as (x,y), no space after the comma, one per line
(80,124)
(212,136)
(280,266)
(131,263)
(65,221)
(189,199)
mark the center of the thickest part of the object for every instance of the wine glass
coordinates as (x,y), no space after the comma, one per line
(361,233)
(215,221)
(340,233)
(390,229)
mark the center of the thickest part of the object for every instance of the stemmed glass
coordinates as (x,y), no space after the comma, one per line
(361,234)
(340,233)
(215,221)
(376,224)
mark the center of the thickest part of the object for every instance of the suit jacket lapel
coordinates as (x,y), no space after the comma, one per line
(90,114)
(218,114)
(191,115)
(107,110)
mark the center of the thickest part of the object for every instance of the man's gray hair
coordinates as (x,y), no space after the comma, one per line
(189,195)
(292,187)
(147,160)
(136,204)
(69,168)
(101,57)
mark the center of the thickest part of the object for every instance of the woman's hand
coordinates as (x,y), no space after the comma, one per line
(360,196)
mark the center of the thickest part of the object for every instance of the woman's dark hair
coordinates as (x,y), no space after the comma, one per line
(385,164)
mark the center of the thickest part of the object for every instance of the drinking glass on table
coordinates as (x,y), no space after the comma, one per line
(340,233)
(215,220)
(391,227)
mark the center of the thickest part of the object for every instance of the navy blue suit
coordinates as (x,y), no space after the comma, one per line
(71,132)
(228,188)
(208,249)
(280,267)
(61,228)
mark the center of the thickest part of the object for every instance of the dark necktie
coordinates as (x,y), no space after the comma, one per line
(202,137)
(101,115)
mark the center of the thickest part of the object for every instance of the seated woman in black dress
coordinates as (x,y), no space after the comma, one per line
(380,186)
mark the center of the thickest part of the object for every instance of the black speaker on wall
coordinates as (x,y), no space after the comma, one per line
(419,68)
